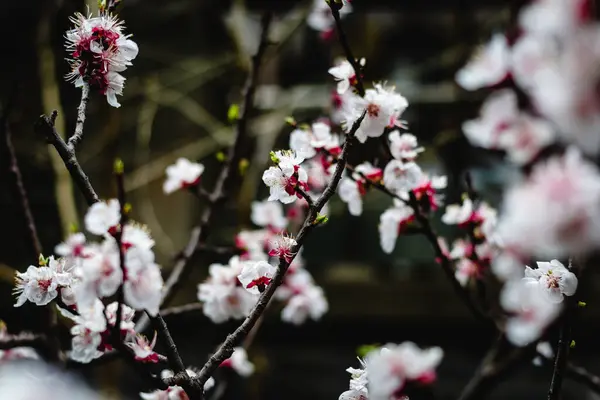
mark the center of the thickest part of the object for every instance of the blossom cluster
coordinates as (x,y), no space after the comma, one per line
(15,353)
(386,371)
(99,51)
(88,272)
(321,20)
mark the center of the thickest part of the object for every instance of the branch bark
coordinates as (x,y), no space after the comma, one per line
(81,110)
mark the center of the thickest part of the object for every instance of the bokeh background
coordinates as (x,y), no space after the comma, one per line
(192,63)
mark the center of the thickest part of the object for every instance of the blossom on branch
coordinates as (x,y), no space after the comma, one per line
(239,362)
(99,51)
(256,276)
(554,279)
(268,214)
(286,178)
(392,222)
(488,66)
(181,175)
(175,392)
(103,217)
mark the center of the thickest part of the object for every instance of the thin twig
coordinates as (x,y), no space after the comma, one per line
(46,126)
(560,362)
(226,180)
(181,309)
(583,376)
(81,110)
(175,361)
(119,173)
(335,11)
(24,339)
(24,199)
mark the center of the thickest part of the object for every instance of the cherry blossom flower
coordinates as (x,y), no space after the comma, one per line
(553,17)
(223,294)
(531,312)
(38,285)
(392,222)
(544,352)
(488,66)
(282,247)
(507,266)
(87,332)
(268,214)
(99,274)
(319,170)
(175,392)
(427,191)
(73,246)
(344,75)
(404,146)
(349,192)
(524,140)
(181,175)
(255,276)
(102,217)
(530,55)
(239,362)
(296,281)
(137,235)
(142,349)
(143,285)
(127,314)
(390,367)
(358,383)
(466,269)
(555,212)
(498,113)
(383,107)
(458,214)
(284,179)
(310,302)
(99,51)
(306,141)
(554,280)
(252,244)
(402,177)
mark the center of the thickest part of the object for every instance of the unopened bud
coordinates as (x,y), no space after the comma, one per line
(243,166)
(127,207)
(118,166)
(321,219)
(220,156)
(581,304)
(572,344)
(233,114)
(290,121)
(42,261)
(274,157)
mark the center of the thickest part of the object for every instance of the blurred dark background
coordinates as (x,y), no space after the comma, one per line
(192,63)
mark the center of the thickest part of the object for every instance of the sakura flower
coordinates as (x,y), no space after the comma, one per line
(344,75)
(252,244)
(296,281)
(555,212)
(309,303)
(350,194)
(284,180)
(402,177)
(392,222)
(458,214)
(283,247)
(223,295)
(320,18)
(554,17)
(73,246)
(498,113)
(102,216)
(530,55)
(127,314)
(87,332)
(382,107)
(137,235)
(393,365)
(99,51)
(544,353)
(255,276)
(466,270)
(524,140)
(426,192)
(143,350)
(99,274)
(306,141)
(143,286)
(319,170)
(404,146)
(182,174)
(358,384)
(554,280)
(38,285)
(268,214)
(239,362)
(488,66)
(507,266)
(531,312)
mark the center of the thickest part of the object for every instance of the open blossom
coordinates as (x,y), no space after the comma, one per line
(352,189)
(554,17)
(402,177)
(382,107)
(99,273)
(239,362)
(530,311)
(358,383)
(284,179)
(555,212)
(99,51)
(392,222)
(555,281)
(255,276)
(102,216)
(73,246)
(311,302)
(404,146)
(40,285)
(142,349)
(175,392)
(392,366)
(143,286)
(488,66)
(296,281)
(223,295)
(344,75)
(282,247)
(253,244)
(182,174)
(268,214)
(306,141)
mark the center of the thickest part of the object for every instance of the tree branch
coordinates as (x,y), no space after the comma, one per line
(22,192)
(226,180)
(81,110)
(560,361)
(173,357)
(119,172)
(45,126)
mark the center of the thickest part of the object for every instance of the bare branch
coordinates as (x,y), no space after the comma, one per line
(118,235)
(81,110)
(175,361)
(560,361)
(45,126)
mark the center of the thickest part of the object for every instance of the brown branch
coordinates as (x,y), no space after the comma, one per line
(81,110)
(181,309)
(173,357)
(24,199)
(24,339)
(225,182)
(335,12)
(581,375)
(226,349)
(560,361)
(46,126)
(119,173)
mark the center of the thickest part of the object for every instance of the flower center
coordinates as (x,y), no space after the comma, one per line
(373,110)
